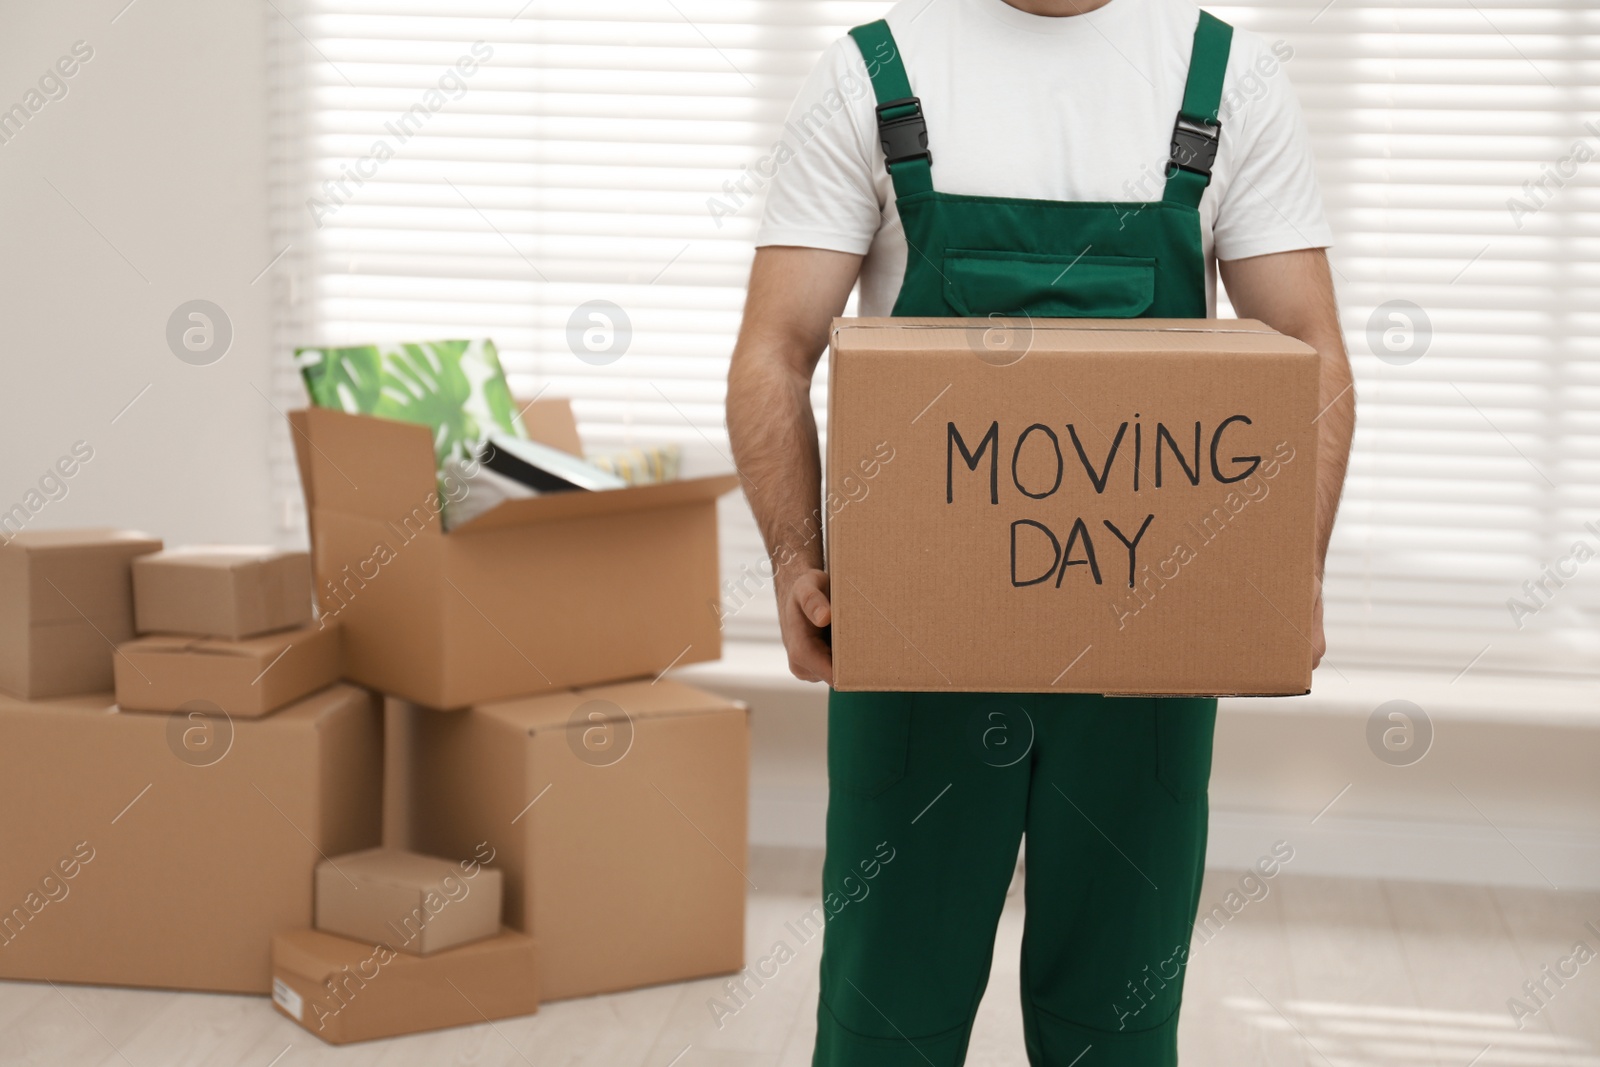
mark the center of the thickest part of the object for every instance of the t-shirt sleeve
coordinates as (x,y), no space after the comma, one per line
(821,193)
(1271,202)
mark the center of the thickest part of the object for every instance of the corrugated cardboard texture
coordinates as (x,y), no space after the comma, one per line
(344,990)
(229,592)
(246,678)
(535,595)
(626,862)
(183,871)
(960,545)
(410,902)
(66,600)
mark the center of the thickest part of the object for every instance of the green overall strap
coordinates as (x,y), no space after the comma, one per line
(1195,134)
(901,129)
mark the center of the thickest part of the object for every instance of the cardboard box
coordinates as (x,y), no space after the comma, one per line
(344,990)
(246,679)
(66,601)
(533,595)
(227,591)
(618,816)
(1088,506)
(410,902)
(165,851)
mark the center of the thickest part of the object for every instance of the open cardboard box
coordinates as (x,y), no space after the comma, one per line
(536,594)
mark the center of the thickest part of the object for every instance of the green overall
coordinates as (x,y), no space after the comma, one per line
(930,794)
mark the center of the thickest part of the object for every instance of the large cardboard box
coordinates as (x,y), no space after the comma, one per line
(533,595)
(66,601)
(411,902)
(246,679)
(618,815)
(156,850)
(225,591)
(1075,506)
(345,990)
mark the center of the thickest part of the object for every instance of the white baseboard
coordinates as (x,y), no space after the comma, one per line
(788,818)
(1448,852)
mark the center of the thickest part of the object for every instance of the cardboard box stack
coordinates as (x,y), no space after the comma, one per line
(157,850)
(224,628)
(165,849)
(215,823)
(403,943)
(66,599)
(550,773)
(624,801)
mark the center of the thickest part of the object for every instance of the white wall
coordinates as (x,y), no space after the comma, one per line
(160,142)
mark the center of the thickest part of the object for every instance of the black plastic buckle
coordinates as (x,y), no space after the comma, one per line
(905,137)
(1194,146)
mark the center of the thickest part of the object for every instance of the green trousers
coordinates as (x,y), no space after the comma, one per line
(930,796)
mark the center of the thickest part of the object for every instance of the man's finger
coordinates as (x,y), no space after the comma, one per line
(816,608)
(815,657)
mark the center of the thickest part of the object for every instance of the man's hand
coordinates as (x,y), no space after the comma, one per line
(803,611)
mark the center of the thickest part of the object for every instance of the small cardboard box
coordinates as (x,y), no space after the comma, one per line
(344,990)
(1101,506)
(533,595)
(246,679)
(165,851)
(66,601)
(410,902)
(626,804)
(225,591)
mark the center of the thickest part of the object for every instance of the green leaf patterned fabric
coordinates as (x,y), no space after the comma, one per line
(455,388)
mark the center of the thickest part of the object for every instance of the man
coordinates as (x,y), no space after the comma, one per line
(1114,140)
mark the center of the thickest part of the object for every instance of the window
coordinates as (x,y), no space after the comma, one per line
(472,169)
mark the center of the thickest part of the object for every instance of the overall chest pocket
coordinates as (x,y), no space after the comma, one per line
(981,282)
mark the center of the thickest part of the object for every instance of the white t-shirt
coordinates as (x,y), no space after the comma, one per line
(1018,105)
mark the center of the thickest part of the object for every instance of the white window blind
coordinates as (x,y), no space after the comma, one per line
(599,152)
(1477,463)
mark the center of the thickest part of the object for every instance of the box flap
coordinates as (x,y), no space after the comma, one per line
(584,504)
(365,465)
(300,437)
(550,422)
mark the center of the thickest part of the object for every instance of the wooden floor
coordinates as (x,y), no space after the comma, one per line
(1320,972)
